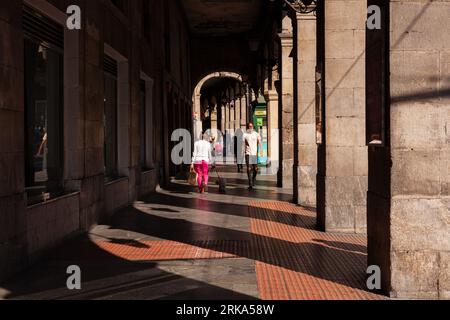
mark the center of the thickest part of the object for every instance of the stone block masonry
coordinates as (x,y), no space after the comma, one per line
(342,179)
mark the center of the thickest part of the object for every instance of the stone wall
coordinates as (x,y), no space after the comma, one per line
(307,147)
(116,196)
(25,233)
(286,106)
(344,175)
(12,153)
(415,213)
(48,224)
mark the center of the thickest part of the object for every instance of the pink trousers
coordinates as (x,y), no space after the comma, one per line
(202,170)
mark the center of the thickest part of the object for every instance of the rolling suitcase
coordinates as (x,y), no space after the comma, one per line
(222,182)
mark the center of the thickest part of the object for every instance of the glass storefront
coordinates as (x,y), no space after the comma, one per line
(110,119)
(43,113)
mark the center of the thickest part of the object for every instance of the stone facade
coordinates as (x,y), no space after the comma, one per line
(397,191)
(13,218)
(408,211)
(305,151)
(286,109)
(25,232)
(343,176)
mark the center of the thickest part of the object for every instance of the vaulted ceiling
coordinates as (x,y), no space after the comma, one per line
(222,17)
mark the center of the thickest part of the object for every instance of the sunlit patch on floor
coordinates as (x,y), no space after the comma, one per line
(297,262)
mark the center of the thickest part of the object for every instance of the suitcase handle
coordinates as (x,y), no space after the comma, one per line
(217,172)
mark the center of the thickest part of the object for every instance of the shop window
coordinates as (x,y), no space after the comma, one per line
(43,98)
(142,124)
(110,118)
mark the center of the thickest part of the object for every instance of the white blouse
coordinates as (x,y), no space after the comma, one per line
(202,151)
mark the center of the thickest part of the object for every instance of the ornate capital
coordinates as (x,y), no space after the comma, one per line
(302,6)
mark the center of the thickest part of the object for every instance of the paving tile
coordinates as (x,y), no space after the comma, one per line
(176,244)
(300,263)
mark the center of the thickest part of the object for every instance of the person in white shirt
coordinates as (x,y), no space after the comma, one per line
(200,162)
(252,140)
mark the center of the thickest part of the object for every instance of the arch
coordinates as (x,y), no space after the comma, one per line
(197,91)
(221,74)
(196,97)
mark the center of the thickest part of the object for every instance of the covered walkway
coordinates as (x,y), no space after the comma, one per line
(177,244)
(350,98)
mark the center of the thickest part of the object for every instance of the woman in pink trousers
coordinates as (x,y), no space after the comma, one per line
(200,162)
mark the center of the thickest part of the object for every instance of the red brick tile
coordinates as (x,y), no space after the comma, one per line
(303,264)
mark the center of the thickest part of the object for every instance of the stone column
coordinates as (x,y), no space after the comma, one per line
(286,107)
(343,176)
(243,112)
(214,118)
(227,117)
(230,116)
(233,116)
(305,147)
(238,112)
(271,97)
(222,119)
(197,122)
(13,216)
(409,194)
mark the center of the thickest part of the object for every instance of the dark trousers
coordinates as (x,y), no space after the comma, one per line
(252,169)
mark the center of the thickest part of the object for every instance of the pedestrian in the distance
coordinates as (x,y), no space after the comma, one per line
(252,140)
(200,162)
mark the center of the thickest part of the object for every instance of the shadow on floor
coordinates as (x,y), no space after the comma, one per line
(106,276)
(226,208)
(344,245)
(235,188)
(343,267)
(334,261)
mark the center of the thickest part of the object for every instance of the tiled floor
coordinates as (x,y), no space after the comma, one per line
(297,262)
(176,244)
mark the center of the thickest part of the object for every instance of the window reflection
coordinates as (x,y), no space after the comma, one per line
(142,122)
(43,113)
(110,118)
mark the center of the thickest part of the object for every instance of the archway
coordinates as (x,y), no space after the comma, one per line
(199,109)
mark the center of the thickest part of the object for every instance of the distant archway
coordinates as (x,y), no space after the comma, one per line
(196,97)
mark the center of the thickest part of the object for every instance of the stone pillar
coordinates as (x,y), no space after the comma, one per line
(238,112)
(222,119)
(197,120)
(231,116)
(227,116)
(286,108)
(305,152)
(408,198)
(214,118)
(243,112)
(271,97)
(343,176)
(13,216)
